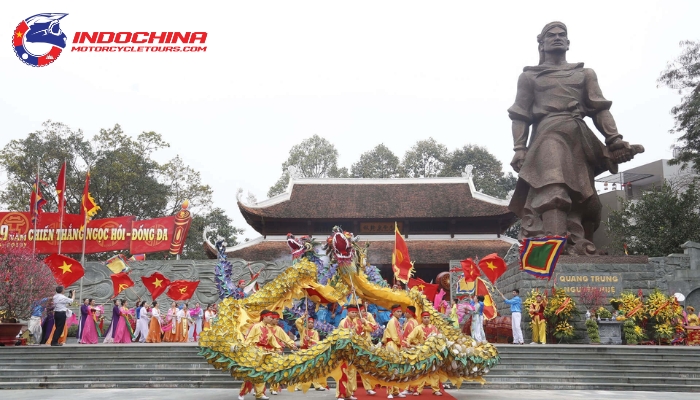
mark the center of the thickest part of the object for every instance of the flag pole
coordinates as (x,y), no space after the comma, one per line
(35,207)
(85,221)
(61,212)
(82,256)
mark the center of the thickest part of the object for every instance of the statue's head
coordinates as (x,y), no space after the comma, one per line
(552,39)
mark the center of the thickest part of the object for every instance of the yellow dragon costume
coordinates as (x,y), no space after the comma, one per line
(448,355)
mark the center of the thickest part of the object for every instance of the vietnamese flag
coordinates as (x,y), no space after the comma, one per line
(429,289)
(66,270)
(493,267)
(182,290)
(400,261)
(88,207)
(36,200)
(120,282)
(471,272)
(156,284)
(490,311)
(61,189)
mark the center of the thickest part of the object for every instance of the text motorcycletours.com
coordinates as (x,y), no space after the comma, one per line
(138,41)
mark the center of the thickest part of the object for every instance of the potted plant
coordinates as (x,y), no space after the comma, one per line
(604,314)
(633,332)
(24,279)
(592,330)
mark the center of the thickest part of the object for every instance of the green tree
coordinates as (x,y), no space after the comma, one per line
(380,162)
(425,159)
(124,178)
(657,223)
(683,74)
(487,172)
(216,220)
(314,157)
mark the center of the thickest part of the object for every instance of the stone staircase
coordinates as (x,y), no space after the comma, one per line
(590,367)
(549,367)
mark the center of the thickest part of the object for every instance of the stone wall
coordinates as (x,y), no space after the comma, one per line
(676,273)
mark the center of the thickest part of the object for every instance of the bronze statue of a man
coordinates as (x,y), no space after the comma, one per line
(555,193)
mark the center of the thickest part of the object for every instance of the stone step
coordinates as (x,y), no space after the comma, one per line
(27,372)
(100,377)
(556,385)
(88,384)
(97,365)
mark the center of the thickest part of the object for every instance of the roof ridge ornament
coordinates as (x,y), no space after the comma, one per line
(468,172)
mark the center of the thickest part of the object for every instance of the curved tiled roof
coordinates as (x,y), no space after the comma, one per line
(390,199)
(421,251)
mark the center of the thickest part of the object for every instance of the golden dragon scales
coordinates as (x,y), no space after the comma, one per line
(449,355)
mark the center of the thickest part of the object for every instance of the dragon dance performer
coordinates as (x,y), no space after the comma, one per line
(267,335)
(539,324)
(349,372)
(418,337)
(392,339)
(308,336)
(408,327)
(370,326)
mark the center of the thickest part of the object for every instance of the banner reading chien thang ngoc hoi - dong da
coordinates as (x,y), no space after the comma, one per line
(107,234)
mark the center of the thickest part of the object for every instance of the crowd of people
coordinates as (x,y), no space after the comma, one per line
(51,318)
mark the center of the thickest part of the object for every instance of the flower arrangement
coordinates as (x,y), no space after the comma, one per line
(592,330)
(24,279)
(564,330)
(603,313)
(630,305)
(662,312)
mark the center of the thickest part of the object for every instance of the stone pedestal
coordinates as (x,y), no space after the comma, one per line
(610,332)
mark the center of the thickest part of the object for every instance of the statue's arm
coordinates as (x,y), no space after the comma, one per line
(521,115)
(599,109)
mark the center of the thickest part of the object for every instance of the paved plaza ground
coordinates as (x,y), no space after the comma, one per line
(228,394)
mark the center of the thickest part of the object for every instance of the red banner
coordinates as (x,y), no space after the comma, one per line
(107,234)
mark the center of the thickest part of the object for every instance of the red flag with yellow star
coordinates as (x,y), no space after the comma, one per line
(157,283)
(120,282)
(182,290)
(493,267)
(428,289)
(471,272)
(66,270)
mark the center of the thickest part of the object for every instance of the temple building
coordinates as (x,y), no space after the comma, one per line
(442,219)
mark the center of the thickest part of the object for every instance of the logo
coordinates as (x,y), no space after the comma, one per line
(39,40)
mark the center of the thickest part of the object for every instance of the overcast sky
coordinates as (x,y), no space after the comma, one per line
(358,73)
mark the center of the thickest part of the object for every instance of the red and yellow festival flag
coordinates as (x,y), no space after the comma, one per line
(428,289)
(493,266)
(36,201)
(66,270)
(538,256)
(490,311)
(88,207)
(471,272)
(156,284)
(120,282)
(182,290)
(400,261)
(61,189)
